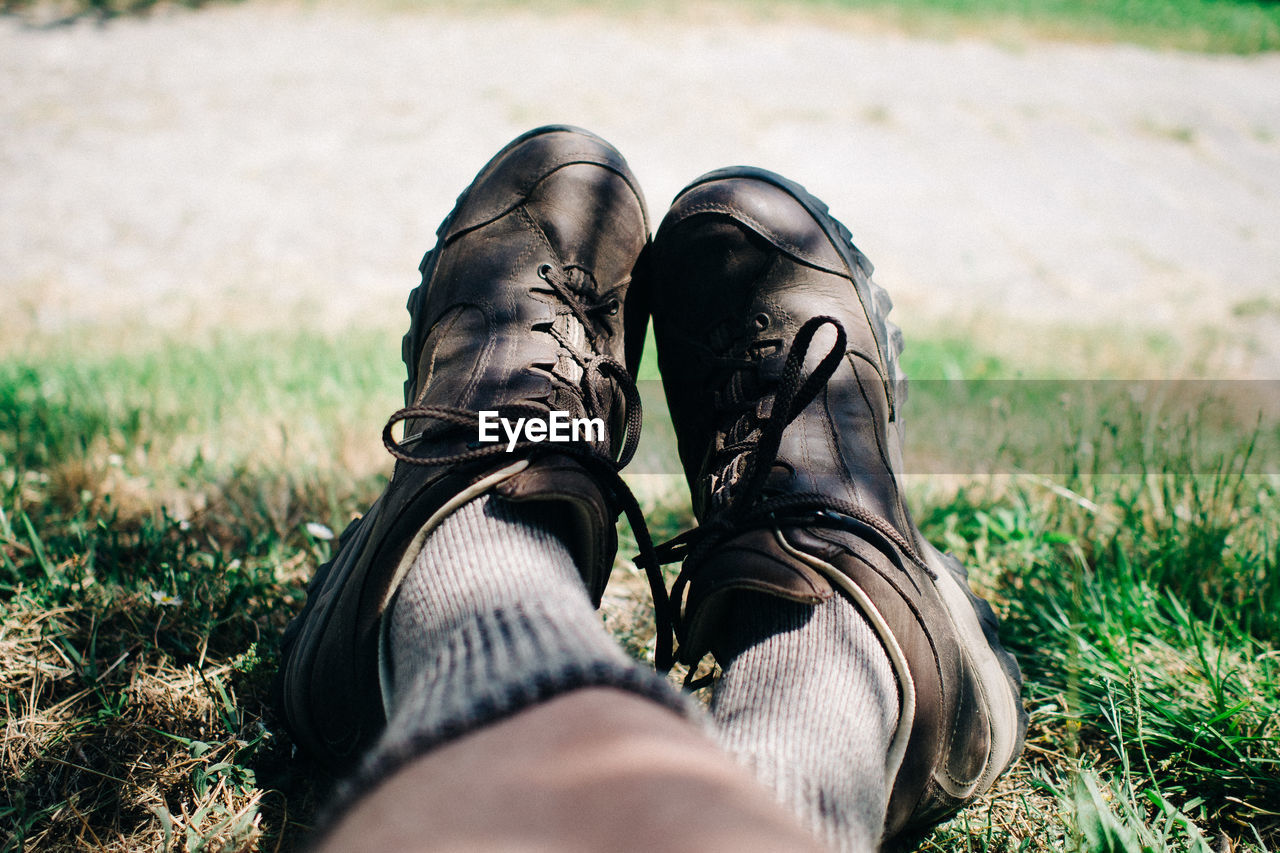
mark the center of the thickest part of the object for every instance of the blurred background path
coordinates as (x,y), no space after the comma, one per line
(266,164)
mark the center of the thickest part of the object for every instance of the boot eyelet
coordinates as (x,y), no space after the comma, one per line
(761,321)
(614,307)
(544,270)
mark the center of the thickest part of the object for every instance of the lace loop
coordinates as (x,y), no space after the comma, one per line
(795,393)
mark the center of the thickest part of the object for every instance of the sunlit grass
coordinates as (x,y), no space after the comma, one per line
(1215,26)
(161,511)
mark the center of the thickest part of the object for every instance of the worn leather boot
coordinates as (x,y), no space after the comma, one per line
(781,374)
(524,309)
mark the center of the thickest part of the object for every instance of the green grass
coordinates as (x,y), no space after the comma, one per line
(1234,26)
(1216,26)
(153,542)
(157,528)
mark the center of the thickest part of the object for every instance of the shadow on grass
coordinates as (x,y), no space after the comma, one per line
(137,656)
(143,601)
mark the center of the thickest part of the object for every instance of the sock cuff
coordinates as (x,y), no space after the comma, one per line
(493,666)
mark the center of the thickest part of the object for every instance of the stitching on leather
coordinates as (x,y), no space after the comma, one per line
(486,352)
(955,730)
(772,234)
(604,163)
(881,450)
(523,213)
(834,438)
(941,749)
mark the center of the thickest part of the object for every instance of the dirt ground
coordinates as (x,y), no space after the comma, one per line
(270,163)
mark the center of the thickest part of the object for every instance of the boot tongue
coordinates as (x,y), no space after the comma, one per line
(572,332)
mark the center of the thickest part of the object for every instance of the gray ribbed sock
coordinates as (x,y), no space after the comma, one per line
(809,700)
(494,617)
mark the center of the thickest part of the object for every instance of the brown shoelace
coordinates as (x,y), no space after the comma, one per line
(746,508)
(573,287)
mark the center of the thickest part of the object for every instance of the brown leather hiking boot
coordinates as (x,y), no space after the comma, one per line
(523,310)
(792,457)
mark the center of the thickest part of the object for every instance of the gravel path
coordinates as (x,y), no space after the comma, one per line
(266,163)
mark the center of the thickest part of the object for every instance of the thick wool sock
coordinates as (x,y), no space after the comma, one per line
(492,618)
(809,700)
